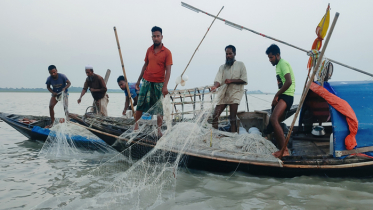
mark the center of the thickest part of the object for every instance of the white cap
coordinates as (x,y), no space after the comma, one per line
(88,67)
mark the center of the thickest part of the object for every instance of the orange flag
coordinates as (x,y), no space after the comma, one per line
(321,31)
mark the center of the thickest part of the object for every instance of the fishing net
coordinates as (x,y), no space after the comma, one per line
(144,174)
(69,141)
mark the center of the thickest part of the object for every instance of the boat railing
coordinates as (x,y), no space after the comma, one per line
(199,95)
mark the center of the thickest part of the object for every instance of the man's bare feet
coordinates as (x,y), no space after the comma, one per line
(278,153)
(136,127)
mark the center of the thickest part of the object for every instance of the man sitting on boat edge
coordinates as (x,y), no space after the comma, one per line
(60,84)
(233,74)
(134,93)
(284,97)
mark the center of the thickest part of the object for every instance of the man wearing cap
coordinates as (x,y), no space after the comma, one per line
(97,86)
(154,75)
(60,84)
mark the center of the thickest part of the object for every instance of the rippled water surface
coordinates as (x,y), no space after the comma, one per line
(27,180)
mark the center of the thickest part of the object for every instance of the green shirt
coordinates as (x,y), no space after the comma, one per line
(282,68)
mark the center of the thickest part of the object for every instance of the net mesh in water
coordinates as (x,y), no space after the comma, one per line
(68,141)
(144,174)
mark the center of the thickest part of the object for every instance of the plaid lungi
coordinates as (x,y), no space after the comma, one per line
(150,93)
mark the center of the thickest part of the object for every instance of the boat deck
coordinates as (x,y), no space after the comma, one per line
(309,148)
(305,144)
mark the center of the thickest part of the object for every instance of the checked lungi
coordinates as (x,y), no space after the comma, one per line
(149,95)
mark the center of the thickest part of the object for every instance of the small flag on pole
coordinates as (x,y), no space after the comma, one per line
(321,30)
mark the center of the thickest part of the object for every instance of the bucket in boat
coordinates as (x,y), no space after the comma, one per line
(255,130)
(146,116)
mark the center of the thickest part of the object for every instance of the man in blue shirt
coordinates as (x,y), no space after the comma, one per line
(134,93)
(60,84)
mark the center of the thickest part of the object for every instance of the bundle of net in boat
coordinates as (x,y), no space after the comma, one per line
(153,161)
(69,141)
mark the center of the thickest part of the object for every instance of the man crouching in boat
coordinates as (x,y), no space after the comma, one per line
(98,90)
(284,97)
(233,74)
(60,84)
(122,83)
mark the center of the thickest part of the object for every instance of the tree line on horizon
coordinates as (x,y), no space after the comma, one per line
(79,89)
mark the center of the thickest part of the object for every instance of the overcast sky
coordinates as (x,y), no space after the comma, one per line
(72,34)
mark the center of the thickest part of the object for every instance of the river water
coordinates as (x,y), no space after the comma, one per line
(27,180)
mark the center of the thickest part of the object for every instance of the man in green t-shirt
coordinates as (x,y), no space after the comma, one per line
(284,97)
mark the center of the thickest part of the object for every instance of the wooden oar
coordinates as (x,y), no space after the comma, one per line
(124,72)
(310,81)
(107,75)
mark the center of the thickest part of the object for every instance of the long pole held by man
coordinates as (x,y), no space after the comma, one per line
(124,71)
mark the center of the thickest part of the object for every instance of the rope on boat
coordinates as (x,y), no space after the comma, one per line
(259,98)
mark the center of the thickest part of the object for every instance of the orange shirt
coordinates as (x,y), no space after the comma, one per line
(156,69)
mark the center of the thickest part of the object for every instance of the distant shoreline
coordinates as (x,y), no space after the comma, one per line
(79,90)
(44,90)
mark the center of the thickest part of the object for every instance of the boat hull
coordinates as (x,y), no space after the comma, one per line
(24,129)
(286,171)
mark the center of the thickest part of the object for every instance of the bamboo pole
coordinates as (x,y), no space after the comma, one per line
(199,45)
(95,130)
(124,72)
(310,81)
(268,37)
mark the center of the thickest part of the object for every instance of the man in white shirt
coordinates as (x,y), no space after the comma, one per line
(233,74)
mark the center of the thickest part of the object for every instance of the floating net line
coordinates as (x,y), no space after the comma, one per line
(144,174)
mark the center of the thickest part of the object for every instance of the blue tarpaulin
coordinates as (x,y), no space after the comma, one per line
(75,138)
(359,95)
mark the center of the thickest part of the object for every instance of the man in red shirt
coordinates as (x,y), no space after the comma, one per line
(154,75)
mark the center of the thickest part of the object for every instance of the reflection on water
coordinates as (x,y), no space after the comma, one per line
(27,180)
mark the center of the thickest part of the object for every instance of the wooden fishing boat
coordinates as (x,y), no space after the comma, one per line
(26,123)
(32,127)
(311,153)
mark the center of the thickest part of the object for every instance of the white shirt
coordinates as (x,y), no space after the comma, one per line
(234,92)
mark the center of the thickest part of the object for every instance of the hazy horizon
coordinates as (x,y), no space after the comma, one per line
(71,34)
